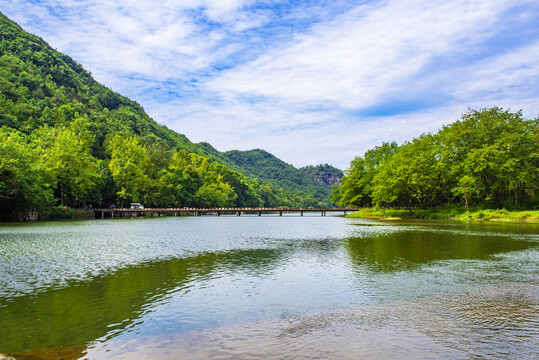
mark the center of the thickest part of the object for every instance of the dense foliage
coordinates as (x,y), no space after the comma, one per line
(489,158)
(67,140)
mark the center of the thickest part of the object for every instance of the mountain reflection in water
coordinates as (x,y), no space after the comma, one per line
(245,287)
(463,325)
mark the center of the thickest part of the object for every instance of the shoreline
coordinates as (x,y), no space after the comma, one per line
(456,214)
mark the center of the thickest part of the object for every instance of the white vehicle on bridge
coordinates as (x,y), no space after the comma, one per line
(136,206)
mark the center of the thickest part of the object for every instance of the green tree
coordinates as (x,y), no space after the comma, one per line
(494,152)
(467,187)
(356,188)
(71,163)
(215,193)
(180,181)
(24,180)
(128,166)
(411,177)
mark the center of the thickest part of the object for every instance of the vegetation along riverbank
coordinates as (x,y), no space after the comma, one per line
(450,213)
(489,159)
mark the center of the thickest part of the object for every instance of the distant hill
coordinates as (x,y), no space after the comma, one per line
(325,174)
(312,180)
(263,165)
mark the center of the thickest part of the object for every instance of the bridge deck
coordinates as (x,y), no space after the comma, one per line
(216,211)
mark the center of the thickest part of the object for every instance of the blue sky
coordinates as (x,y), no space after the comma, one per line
(309,81)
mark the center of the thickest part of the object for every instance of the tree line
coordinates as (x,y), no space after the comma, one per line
(489,158)
(55,166)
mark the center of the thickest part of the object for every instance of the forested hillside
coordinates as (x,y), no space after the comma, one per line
(489,158)
(267,167)
(67,140)
(323,173)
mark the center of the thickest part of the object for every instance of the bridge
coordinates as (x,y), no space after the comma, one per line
(114,212)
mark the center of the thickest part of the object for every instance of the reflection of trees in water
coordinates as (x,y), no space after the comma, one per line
(64,353)
(88,310)
(400,250)
(489,322)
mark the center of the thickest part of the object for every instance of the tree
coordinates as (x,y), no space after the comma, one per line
(410,177)
(466,187)
(24,180)
(71,163)
(180,181)
(490,157)
(495,152)
(128,165)
(356,188)
(215,193)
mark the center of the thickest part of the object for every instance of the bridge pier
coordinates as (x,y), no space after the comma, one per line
(301,213)
(280,213)
(259,213)
(238,213)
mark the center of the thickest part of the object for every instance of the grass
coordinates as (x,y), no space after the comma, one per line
(452,213)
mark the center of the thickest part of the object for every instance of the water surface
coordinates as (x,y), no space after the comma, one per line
(244,287)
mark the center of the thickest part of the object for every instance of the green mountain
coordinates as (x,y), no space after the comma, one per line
(65,139)
(324,173)
(267,167)
(40,86)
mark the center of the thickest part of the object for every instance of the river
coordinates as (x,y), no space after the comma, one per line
(268,287)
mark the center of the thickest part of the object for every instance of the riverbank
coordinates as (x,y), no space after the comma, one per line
(452,213)
(64,212)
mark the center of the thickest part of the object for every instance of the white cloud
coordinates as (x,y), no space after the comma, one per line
(160,40)
(363,54)
(505,77)
(348,77)
(366,56)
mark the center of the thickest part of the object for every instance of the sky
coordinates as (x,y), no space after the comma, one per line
(311,82)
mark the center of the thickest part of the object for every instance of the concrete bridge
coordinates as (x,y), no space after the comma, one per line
(114,212)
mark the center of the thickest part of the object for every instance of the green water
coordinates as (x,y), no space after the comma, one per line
(94,286)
